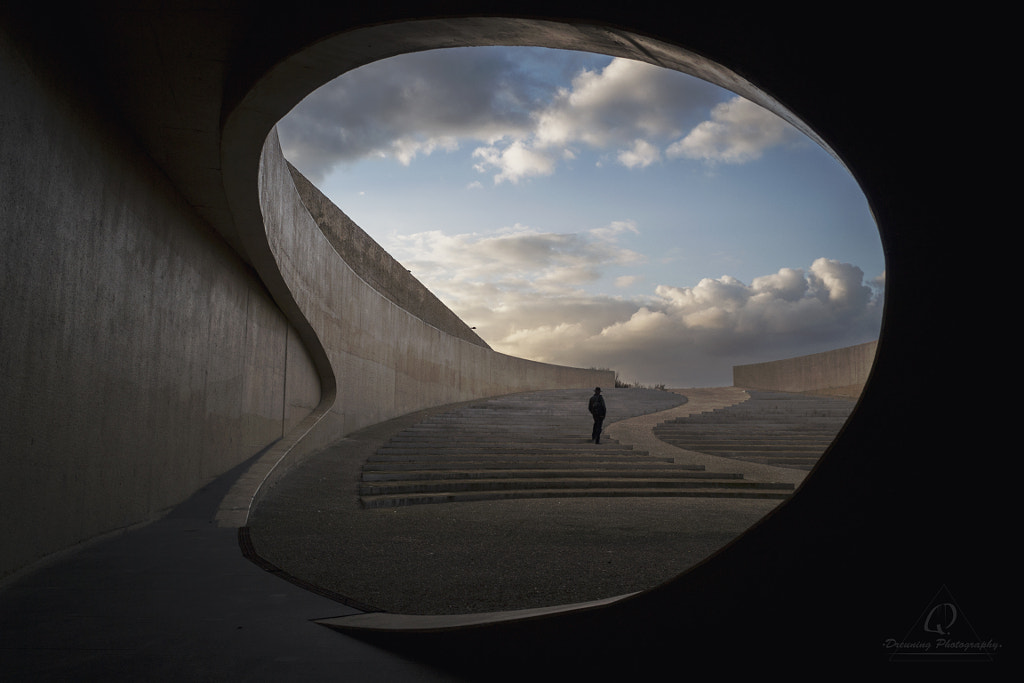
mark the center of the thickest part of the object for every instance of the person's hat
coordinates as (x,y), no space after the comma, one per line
(597,389)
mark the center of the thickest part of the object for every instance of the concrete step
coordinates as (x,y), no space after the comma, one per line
(492,440)
(784,430)
(761,420)
(385,501)
(591,473)
(741,437)
(528,460)
(590,484)
(502,464)
(528,446)
(781,460)
(760,452)
(767,451)
(504,449)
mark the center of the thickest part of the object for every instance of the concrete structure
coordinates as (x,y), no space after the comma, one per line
(839,371)
(145,357)
(167,309)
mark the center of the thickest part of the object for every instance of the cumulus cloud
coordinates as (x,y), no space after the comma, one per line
(522,115)
(621,103)
(521,120)
(523,291)
(409,106)
(641,154)
(738,131)
(514,162)
(516,259)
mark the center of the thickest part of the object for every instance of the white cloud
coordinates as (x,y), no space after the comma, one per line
(516,259)
(521,119)
(407,148)
(624,281)
(411,105)
(641,154)
(523,292)
(513,163)
(738,131)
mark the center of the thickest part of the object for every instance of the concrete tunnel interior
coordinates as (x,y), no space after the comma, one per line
(684,61)
(418,36)
(844,540)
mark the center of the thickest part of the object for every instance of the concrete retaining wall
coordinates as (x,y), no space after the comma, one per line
(382,360)
(377,267)
(840,371)
(142,356)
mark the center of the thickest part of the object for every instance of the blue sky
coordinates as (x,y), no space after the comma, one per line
(597,212)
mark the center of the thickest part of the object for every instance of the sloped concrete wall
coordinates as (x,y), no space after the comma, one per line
(382,360)
(842,371)
(141,358)
(377,267)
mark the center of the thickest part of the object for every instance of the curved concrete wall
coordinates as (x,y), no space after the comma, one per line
(141,358)
(377,267)
(382,360)
(842,371)
(889,515)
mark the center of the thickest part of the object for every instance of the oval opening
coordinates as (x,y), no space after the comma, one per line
(596,212)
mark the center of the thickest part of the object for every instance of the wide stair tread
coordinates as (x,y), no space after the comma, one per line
(772,428)
(385,501)
(532,446)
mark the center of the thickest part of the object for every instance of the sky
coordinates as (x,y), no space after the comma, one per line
(598,212)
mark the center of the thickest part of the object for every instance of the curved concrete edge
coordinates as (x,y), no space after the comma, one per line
(420,623)
(243,495)
(393,362)
(298,266)
(639,431)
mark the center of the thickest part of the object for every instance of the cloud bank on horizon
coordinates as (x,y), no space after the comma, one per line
(585,288)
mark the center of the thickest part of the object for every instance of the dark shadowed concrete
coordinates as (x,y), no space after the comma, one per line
(177,601)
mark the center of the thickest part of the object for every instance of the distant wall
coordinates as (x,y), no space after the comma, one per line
(840,371)
(141,357)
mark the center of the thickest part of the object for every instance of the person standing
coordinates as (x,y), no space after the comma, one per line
(597,409)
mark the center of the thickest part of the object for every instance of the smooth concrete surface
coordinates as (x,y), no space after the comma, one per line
(841,371)
(140,357)
(377,360)
(375,266)
(137,131)
(176,600)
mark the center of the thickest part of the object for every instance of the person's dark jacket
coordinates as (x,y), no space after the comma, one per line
(596,406)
